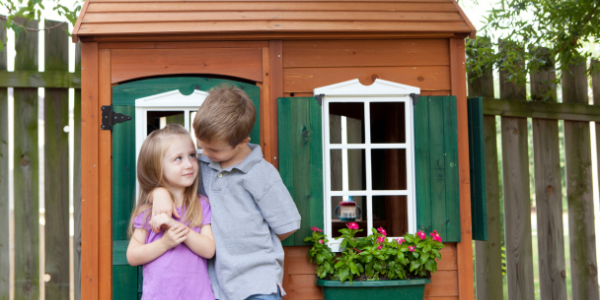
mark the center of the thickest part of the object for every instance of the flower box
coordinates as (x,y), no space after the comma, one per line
(413,289)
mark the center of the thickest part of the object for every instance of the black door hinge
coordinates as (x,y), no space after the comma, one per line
(110,118)
(415,98)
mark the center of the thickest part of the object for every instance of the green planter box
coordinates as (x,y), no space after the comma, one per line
(413,289)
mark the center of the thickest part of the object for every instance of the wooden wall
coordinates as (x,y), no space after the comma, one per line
(424,63)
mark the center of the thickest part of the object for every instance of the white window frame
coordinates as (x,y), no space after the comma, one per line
(379,91)
(168,101)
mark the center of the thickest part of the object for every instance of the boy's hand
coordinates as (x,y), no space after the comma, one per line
(162,203)
(176,235)
(161,221)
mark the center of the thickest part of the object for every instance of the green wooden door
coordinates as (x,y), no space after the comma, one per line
(127,280)
(477,166)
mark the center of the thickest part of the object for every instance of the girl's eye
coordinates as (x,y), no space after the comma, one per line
(178,158)
(193,155)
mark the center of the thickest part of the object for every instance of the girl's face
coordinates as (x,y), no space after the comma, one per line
(180,165)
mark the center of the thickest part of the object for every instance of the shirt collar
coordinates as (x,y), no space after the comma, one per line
(253,158)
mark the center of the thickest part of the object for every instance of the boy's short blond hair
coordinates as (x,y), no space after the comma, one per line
(226,114)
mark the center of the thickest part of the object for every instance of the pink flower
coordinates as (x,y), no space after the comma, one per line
(320,241)
(421,234)
(352,226)
(382,231)
(315,229)
(357,251)
(437,238)
(380,240)
(379,248)
(411,248)
(401,241)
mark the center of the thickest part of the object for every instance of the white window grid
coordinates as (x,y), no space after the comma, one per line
(167,101)
(369,193)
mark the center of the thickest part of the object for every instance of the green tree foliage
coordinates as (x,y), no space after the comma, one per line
(32,10)
(565,27)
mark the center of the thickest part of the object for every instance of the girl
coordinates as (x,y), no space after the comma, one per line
(174,259)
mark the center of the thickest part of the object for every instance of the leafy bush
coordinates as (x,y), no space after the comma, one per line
(375,257)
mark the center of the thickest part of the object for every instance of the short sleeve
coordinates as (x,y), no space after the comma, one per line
(205,210)
(278,209)
(141,221)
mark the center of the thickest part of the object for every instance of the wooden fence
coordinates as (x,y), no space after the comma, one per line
(577,114)
(56,80)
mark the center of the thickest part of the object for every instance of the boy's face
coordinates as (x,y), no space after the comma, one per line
(220,151)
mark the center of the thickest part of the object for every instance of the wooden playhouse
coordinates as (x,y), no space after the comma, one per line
(337,87)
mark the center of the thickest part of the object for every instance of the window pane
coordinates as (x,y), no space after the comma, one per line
(160,119)
(361,219)
(388,169)
(346,123)
(347,170)
(390,212)
(388,124)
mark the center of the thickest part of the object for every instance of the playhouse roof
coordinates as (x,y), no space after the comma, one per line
(269,18)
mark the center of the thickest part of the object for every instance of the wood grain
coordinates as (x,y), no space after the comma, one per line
(548,191)
(596,98)
(26,173)
(458,75)
(4,173)
(183,45)
(105,194)
(263,36)
(365,53)
(77,180)
(275,91)
(541,110)
(275,16)
(517,208)
(56,169)
(304,80)
(128,64)
(266,134)
(89,172)
(578,160)
(488,254)
(268,6)
(443,283)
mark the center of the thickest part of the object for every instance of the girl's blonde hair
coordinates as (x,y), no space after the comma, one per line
(150,176)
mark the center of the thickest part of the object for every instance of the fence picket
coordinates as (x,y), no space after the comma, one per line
(548,192)
(4,209)
(488,254)
(579,189)
(56,170)
(77,179)
(26,171)
(517,207)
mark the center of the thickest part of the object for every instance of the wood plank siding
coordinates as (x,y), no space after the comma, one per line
(142,17)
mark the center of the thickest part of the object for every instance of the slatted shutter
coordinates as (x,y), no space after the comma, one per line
(127,280)
(436,166)
(301,160)
(477,166)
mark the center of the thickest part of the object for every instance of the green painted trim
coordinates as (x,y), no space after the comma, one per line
(119,256)
(301,161)
(372,283)
(436,166)
(35,79)
(477,168)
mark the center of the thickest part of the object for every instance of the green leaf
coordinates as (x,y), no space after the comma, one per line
(414,265)
(424,257)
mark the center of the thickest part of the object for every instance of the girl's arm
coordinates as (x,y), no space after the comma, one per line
(161,203)
(201,243)
(139,253)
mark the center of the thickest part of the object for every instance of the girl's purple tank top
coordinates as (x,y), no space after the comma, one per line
(179,273)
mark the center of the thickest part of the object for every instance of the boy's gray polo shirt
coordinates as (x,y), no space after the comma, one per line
(250,206)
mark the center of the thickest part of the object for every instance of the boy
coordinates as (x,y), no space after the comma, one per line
(252,211)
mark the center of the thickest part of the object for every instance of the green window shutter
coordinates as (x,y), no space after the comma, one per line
(436,166)
(127,280)
(477,165)
(301,160)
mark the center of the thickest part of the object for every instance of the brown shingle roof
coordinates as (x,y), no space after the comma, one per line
(144,17)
